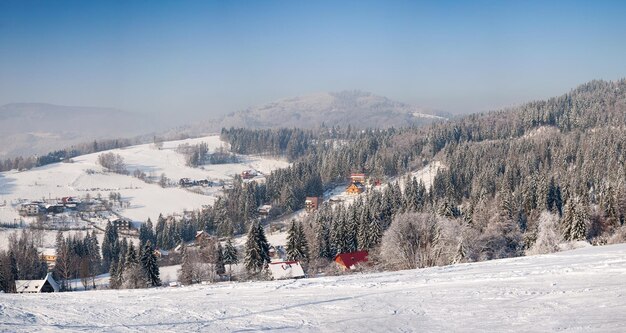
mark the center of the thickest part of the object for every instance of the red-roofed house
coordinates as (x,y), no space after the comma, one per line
(349,260)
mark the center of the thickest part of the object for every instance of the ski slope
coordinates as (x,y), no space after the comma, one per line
(581,290)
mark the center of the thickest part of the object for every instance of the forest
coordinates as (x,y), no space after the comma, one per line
(514,182)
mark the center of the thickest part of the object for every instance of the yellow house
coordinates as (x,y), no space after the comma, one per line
(49,256)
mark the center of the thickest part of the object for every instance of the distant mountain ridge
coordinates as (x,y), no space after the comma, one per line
(356,108)
(34,128)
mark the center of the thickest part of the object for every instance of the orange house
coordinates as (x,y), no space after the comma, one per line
(355,188)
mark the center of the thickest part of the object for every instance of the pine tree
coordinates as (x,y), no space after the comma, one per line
(219,260)
(186,267)
(132,274)
(114,276)
(3,281)
(257,249)
(95,261)
(297,246)
(231,257)
(110,253)
(573,221)
(149,265)
(322,238)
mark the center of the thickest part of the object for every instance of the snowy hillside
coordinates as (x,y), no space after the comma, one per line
(580,290)
(357,108)
(84,176)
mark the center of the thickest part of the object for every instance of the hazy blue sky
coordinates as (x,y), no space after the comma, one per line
(218,57)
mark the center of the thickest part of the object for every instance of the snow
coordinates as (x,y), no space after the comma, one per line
(580,290)
(146,200)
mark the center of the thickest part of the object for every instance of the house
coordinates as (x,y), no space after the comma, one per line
(159,253)
(186,182)
(248,174)
(277,253)
(55,209)
(122,224)
(312,203)
(46,285)
(31,209)
(69,200)
(286,270)
(49,256)
(264,210)
(355,188)
(357,178)
(348,260)
(202,237)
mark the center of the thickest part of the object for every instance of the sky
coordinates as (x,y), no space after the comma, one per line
(205,58)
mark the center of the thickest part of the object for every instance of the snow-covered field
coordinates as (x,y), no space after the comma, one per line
(578,291)
(146,200)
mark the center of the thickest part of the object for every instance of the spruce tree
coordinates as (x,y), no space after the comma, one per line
(110,254)
(219,259)
(297,246)
(573,222)
(186,268)
(257,249)
(231,257)
(132,274)
(114,277)
(322,238)
(149,265)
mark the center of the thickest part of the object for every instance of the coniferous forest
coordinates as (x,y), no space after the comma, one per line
(511,182)
(514,181)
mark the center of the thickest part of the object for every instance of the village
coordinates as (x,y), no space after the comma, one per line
(278,268)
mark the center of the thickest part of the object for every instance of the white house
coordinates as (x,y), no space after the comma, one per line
(46,285)
(286,270)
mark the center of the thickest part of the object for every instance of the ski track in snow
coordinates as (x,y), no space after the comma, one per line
(575,291)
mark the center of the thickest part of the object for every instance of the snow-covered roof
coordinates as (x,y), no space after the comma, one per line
(286,270)
(35,286)
(47,251)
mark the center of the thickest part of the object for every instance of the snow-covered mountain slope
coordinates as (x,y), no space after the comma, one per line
(575,291)
(85,176)
(355,108)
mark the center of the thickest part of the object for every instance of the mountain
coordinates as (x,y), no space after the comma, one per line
(356,108)
(34,128)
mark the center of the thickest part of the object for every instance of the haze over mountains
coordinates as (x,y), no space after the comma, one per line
(356,108)
(37,128)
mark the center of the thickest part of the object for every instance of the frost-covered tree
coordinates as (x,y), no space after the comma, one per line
(574,219)
(548,235)
(257,249)
(219,259)
(297,246)
(132,275)
(231,256)
(149,265)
